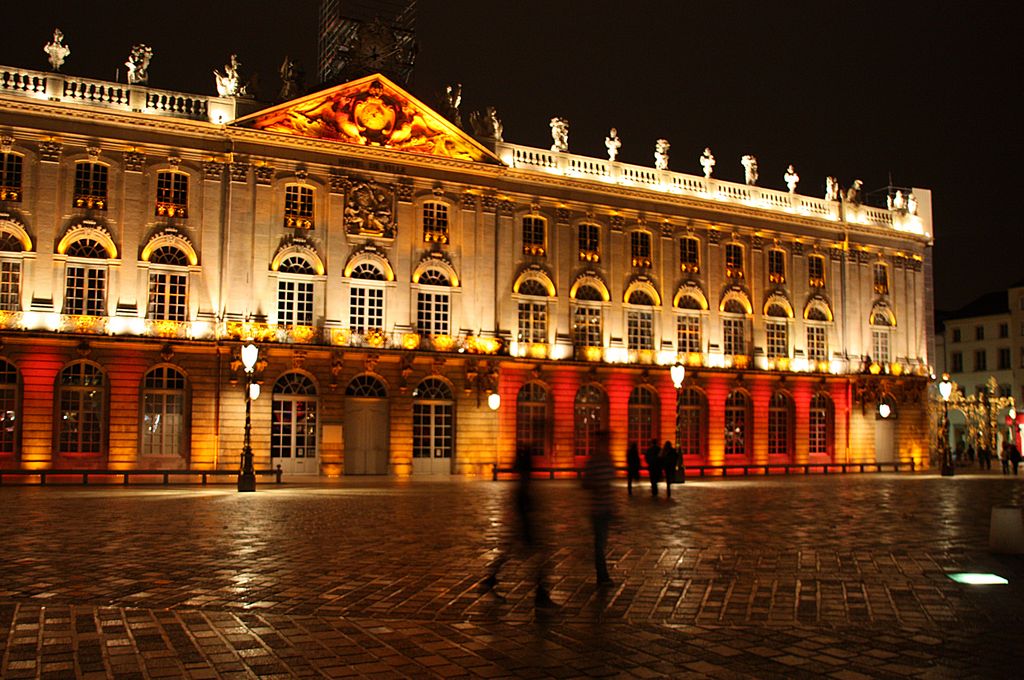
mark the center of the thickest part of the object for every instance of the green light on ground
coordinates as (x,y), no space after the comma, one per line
(972,579)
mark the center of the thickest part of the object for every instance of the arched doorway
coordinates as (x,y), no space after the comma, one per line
(433,427)
(532,419)
(293,431)
(589,419)
(642,417)
(366,426)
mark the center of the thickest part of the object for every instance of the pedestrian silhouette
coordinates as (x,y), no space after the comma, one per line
(652,456)
(597,480)
(1014,454)
(632,466)
(524,518)
(669,460)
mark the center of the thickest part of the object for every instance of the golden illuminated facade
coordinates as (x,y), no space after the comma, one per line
(395,272)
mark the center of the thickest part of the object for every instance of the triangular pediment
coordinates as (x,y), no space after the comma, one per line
(371,111)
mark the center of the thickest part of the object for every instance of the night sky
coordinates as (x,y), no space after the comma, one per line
(929,95)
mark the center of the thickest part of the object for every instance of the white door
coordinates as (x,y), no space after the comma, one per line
(293,432)
(885,440)
(366,436)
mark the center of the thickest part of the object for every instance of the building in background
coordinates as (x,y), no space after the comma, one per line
(360,37)
(396,272)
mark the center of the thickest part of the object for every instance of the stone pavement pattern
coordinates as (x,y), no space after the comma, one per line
(780,577)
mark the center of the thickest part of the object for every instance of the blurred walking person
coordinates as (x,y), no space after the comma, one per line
(597,480)
(652,456)
(632,466)
(669,461)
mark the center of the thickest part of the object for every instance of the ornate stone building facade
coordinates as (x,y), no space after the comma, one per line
(395,272)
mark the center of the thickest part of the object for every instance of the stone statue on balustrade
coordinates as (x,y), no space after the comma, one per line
(291,74)
(792,179)
(138,64)
(911,203)
(749,164)
(707,161)
(831,188)
(451,102)
(559,134)
(661,154)
(853,194)
(56,50)
(897,202)
(229,84)
(613,144)
(486,124)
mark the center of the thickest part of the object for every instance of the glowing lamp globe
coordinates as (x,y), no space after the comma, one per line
(678,373)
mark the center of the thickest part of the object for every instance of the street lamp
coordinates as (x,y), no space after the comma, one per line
(946,389)
(678,373)
(493,401)
(884,410)
(247,474)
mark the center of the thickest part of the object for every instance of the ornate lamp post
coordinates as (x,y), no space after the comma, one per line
(247,474)
(678,372)
(945,389)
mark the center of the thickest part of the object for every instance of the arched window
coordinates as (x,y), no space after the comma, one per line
(85,279)
(366,385)
(534,229)
(10,176)
(171,194)
(90,186)
(737,422)
(776,336)
(11,248)
(780,424)
(533,315)
(366,302)
(690,422)
(433,424)
(433,304)
(164,413)
(295,291)
(293,418)
(532,419)
(589,418)
(435,222)
(168,284)
(81,399)
(642,417)
(821,425)
(9,408)
(589,293)
(640,322)
(298,206)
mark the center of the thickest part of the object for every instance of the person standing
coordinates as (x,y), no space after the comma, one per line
(1014,454)
(1004,458)
(632,466)
(669,461)
(597,480)
(652,456)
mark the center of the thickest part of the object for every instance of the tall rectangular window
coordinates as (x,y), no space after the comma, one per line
(171,194)
(881,279)
(880,345)
(956,335)
(10,286)
(589,236)
(533,235)
(688,333)
(733,340)
(1004,358)
(586,327)
(817,346)
(733,261)
(689,255)
(533,322)
(294,303)
(85,291)
(90,186)
(776,266)
(298,206)
(640,248)
(433,311)
(816,271)
(10,177)
(366,309)
(435,222)
(957,362)
(979,332)
(776,340)
(980,360)
(167,296)
(640,329)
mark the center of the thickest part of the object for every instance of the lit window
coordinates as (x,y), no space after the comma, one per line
(81,395)
(737,417)
(777,339)
(733,261)
(532,419)
(587,328)
(689,255)
(589,242)
(164,413)
(688,332)
(10,285)
(640,322)
(690,422)
(816,271)
(10,422)
(295,292)
(776,266)
(817,346)
(85,280)
(10,177)
(533,235)
(293,421)
(642,417)
(820,432)
(733,336)
(881,279)
(171,194)
(780,428)
(640,248)
(533,322)
(433,307)
(435,222)
(168,289)
(298,206)
(589,414)
(90,186)
(433,420)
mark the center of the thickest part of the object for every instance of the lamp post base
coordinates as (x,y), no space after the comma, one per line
(247,473)
(947,469)
(246,481)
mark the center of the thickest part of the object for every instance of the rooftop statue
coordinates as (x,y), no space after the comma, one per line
(559,134)
(138,64)
(290,75)
(486,124)
(707,161)
(613,144)
(229,84)
(831,189)
(451,103)
(911,203)
(792,179)
(853,193)
(749,164)
(661,154)
(897,202)
(56,50)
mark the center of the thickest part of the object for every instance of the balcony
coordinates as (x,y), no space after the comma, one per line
(171,210)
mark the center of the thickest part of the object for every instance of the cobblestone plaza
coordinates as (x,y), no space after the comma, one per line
(838,576)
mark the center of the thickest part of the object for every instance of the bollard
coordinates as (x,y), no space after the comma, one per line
(1006,530)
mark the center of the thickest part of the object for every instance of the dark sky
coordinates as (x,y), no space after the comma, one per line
(926,92)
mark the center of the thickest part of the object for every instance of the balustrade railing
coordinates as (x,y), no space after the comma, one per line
(18,80)
(95,92)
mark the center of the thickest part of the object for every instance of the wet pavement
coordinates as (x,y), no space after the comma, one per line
(837,576)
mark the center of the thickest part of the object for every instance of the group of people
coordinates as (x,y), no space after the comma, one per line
(1009,457)
(660,460)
